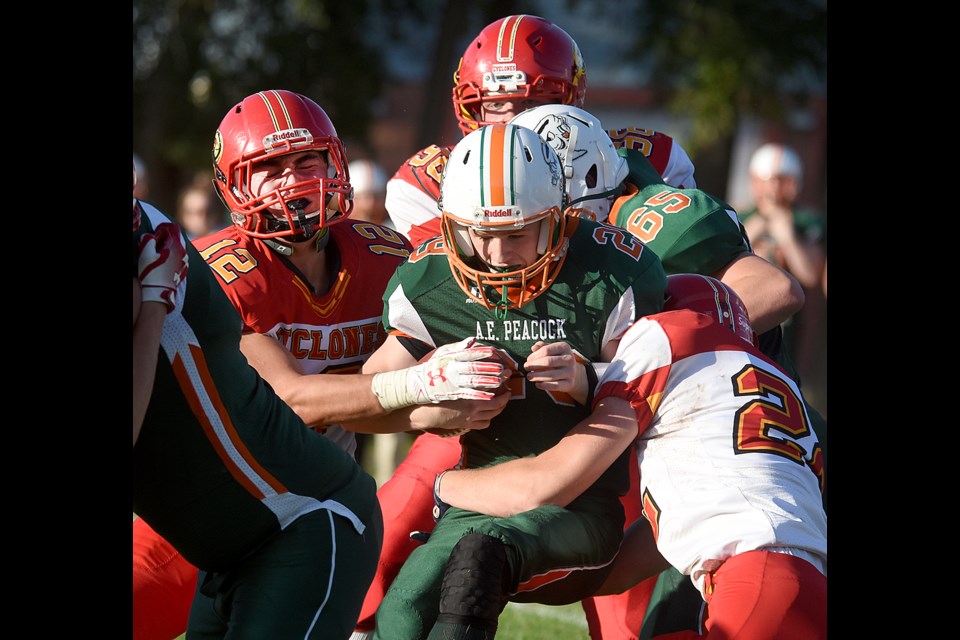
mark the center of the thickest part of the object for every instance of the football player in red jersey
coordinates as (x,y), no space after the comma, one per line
(731,472)
(306,281)
(514,63)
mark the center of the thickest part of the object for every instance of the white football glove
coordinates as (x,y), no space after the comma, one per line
(162,265)
(451,373)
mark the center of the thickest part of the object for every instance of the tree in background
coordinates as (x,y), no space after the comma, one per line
(712,62)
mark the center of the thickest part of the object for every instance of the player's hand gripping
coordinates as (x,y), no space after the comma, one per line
(452,373)
(554,367)
(162,265)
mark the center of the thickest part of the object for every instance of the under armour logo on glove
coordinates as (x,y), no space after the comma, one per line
(453,372)
(436,376)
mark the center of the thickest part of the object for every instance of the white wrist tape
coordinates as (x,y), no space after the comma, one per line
(392,390)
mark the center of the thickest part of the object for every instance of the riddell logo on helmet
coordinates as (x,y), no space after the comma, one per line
(273,139)
(495,213)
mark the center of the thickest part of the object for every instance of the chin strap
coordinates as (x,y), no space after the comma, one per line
(279,247)
(616,191)
(500,311)
(322,240)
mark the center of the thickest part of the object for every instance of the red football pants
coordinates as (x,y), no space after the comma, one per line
(619,617)
(763,595)
(406,501)
(163,586)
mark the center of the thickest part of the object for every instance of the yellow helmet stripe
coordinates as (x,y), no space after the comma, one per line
(505,45)
(273,112)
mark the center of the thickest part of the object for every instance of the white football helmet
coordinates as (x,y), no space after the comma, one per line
(591,166)
(502,177)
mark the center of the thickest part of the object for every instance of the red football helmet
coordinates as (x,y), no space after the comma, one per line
(707,295)
(271,123)
(516,57)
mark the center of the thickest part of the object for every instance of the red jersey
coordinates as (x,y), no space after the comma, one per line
(331,333)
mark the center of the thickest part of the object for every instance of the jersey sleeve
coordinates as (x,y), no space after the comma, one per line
(639,371)
(713,242)
(401,318)
(665,154)
(623,267)
(413,192)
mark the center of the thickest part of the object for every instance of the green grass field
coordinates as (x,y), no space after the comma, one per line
(538,622)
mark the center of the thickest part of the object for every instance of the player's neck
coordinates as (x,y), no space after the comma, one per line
(314,265)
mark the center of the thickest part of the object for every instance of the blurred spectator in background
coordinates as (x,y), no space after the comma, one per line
(141,190)
(379,453)
(795,239)
(199,210)
(369,192)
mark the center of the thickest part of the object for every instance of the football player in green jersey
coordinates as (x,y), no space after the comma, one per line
(692,232)
(227,472)
(555,294)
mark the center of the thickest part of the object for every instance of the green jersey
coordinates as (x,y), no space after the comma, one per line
(222,464)
(690,230)
(607,282)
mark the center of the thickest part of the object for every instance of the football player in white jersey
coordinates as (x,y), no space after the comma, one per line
(731,472)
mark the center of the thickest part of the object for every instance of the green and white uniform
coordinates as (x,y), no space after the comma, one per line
(283,524)
(607,282)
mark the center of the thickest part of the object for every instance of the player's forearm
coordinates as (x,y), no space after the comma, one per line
(324,398)
(556,476)
(770,294)
(396,421)
(501,491)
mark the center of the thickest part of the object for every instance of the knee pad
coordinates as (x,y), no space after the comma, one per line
(475,582)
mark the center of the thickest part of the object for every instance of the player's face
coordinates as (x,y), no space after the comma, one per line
(779,189)
(507,250)
(284,171)
(495,112)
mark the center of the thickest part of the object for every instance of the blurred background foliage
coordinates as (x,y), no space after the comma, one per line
(711,62)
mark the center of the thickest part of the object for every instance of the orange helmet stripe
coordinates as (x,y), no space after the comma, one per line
(496,166)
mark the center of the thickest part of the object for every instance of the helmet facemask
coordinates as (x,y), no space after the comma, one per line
(264,126)
(503,289)
(281,212)
(503,178)
(519,57)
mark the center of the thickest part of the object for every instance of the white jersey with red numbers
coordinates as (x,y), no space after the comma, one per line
(413,191)
(332,333)
(728,460)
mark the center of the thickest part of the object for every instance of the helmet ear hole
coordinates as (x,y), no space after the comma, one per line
(591,177)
